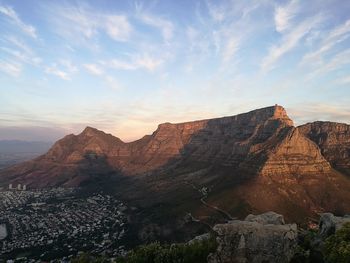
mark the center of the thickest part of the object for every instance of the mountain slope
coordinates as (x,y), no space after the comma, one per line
(251,162)
(242,142)
(334,141)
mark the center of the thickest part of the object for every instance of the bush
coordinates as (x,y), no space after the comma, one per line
(337,246)
(86,258)
(177,253)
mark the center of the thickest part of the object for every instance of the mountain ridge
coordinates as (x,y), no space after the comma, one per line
(234,156)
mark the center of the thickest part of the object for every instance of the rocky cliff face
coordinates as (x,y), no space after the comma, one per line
(334,141)
(258,159)
(261,140)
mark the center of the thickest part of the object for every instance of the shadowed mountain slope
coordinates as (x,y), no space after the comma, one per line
(251,162)
(334,141)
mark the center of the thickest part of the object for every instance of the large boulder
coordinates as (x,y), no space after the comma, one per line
(261,239)
(266,218)
(330,223)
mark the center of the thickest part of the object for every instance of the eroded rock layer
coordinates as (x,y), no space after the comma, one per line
(242,142)
(334,141)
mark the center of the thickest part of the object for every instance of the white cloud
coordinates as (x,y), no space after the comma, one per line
(69,65)
(284,14)
(82,25)
(217,13)
(94,69)
(64,69)
(118,27)
(289,42)
(340,59)
(11,68)
(57,72)
(343,80)
(308,112)
(19,54)
(332,38)
(13,16)
(231,48)
(143,61)
(165,26)
(148,62)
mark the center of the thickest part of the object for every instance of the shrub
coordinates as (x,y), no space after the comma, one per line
(337,246)
(177,253)
(86,258)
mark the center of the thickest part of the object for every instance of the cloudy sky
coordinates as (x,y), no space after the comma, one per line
(126,66)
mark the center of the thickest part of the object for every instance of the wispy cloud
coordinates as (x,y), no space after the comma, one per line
(336,62)
(331,39)
(343,80)
(15,19)
(82,24)
(284,14)
(11,68)
(319,111)
(143,61)
(231,48)
(165,26)
(289,41)
(94,69)
(64,69)
(19,51)
(118,27)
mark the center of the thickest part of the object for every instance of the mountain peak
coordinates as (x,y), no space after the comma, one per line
(280,113)
(90,131)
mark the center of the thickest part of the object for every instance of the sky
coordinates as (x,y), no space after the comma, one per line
(126,66)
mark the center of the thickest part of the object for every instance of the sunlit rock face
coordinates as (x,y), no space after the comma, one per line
(245,141)
(334,141)
(258,158)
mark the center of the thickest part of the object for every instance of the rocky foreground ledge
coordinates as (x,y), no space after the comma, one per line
(266,238)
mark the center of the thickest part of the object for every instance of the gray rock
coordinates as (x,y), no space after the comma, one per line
(255,241)
(330,223)
(266,218)
(203,237)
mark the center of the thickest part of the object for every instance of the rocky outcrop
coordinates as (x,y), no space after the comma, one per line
(295,154)
(266,218)
(334,141)
(257,240)
(330,223)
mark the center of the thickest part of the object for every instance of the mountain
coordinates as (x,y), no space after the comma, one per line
(334,141)
(16,151)
(252,162)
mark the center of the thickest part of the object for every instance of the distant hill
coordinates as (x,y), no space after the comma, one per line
(16,151)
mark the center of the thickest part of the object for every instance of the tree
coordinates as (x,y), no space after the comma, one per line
(337,246)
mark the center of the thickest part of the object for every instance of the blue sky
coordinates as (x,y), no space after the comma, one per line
(126,66)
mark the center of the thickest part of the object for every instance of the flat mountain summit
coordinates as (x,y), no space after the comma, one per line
(251,162)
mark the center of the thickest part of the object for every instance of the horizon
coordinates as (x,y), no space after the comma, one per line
(125,67)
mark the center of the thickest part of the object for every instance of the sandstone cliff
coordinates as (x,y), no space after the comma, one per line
(251,162)
(334,141)
(242,141)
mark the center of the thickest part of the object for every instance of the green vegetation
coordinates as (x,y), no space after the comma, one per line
(197,251)
(180,253)
(87,258)
(337,246)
